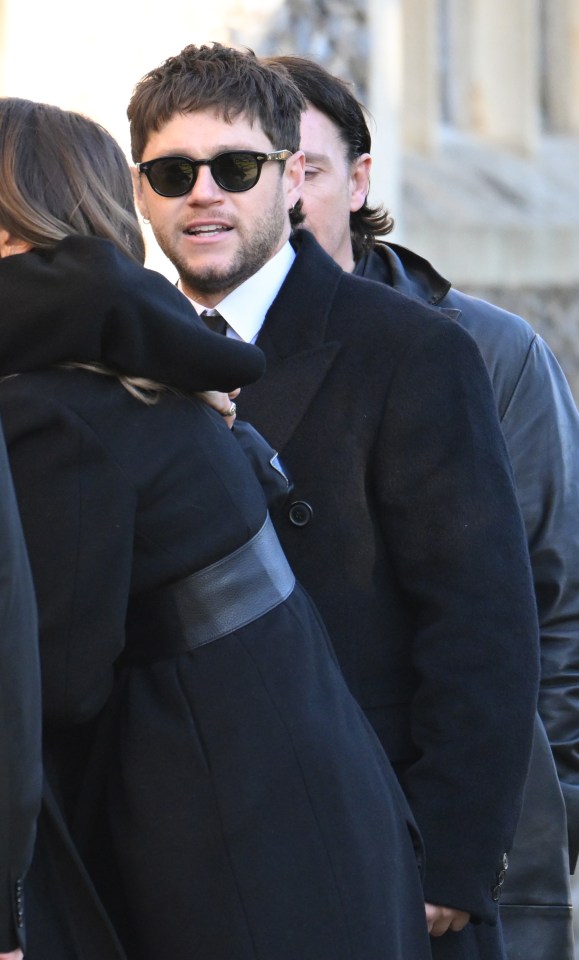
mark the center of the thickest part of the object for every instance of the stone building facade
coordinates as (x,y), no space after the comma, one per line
(479,161)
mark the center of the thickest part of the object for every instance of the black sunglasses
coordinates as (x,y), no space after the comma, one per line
(235,171)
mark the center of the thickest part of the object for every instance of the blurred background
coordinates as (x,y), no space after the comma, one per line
(474,105)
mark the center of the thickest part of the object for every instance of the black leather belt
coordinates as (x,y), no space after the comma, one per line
(212,602)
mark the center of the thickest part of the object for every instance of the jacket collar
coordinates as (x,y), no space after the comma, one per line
(405,271)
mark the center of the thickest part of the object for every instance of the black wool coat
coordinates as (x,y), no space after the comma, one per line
(403,525)
(20,730)
(211,795)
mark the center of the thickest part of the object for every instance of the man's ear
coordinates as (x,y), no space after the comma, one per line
(359,181)
(139,193)
(9,244)
(294,175)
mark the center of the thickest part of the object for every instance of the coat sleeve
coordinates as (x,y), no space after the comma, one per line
(541,427)
(141,323)
(267,466)
(453,527)
(78,513)
(20,733)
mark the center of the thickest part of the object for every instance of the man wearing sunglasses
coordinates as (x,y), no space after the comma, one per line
(403,523)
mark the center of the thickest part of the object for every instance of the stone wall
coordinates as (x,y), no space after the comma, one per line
(333,32)
(447,205)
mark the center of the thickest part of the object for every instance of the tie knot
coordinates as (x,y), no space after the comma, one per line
(214,321)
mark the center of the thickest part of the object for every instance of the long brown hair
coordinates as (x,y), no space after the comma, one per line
(63,175)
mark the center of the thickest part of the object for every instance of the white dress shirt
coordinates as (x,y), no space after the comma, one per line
(244,309)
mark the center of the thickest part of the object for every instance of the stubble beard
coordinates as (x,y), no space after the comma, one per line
(255,250)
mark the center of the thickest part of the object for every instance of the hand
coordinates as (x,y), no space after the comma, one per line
(441,919)
(13,955)
(222,402)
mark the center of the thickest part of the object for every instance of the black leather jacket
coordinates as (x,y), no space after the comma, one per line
(541,426)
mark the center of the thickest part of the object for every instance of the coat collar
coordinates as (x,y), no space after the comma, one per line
(405,271)
(84,300)
(293,339)
(298,317)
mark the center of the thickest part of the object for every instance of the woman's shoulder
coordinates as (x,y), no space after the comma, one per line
(57,391)
(72,407)
(155,426)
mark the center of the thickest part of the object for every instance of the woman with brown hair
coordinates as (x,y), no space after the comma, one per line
(212,789)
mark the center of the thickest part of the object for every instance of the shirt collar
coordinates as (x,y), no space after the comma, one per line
(244,309)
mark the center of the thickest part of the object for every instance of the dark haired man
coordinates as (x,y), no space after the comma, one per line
(541,427)
(403,523)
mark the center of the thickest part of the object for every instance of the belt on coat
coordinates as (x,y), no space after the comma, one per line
(214,601)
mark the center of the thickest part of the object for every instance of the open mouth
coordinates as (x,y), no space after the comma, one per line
(208,230)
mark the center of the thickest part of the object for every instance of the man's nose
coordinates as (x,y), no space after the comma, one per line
(204,190)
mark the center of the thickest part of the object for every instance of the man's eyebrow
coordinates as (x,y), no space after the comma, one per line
(316,157)
(220,148)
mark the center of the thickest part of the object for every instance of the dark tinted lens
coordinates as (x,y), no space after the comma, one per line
(235,171)
(172,177)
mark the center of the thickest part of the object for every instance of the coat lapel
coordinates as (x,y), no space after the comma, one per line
(293,339)
(277,403)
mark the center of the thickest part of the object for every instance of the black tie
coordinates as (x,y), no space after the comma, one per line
(214,321)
